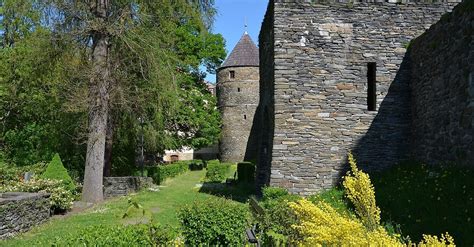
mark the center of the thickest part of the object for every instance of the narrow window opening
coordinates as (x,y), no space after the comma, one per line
(232,74)
(371,86)
(245,116)
(238,89)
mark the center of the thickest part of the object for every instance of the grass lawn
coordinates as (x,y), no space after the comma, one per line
(163,206)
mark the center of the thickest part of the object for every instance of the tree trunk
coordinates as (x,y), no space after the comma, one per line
(108,146)
(98,107)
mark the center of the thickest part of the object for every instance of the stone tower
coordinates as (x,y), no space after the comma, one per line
(238,95)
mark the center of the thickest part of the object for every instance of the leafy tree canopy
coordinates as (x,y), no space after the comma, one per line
(156,50)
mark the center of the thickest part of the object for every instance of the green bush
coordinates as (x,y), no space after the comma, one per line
(8,174)
(11,173)
(214,222)
(245,172)
(61,198)
(196,165)
(334,197)
(216,171)
(56,170)
(271,193)
(160,173)
(131,235)
(278,217)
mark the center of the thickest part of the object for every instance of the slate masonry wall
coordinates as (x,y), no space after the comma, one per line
(20,211)
(443,89)
(122,186)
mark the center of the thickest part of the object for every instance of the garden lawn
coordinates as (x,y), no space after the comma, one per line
(163,206)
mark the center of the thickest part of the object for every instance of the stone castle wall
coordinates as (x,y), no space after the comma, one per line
(443,89)
(237,101)
(321,55)
(265,115)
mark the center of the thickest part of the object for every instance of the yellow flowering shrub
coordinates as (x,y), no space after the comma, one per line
(361,193)
(434,241)
(320,224)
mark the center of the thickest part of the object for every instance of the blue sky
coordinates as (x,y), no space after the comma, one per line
(231,18)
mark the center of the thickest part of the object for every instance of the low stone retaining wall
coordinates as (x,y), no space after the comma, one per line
(19,211)
(121,186)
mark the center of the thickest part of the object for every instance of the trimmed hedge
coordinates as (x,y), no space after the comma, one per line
(246,172)
(214,222)
(216,171)
(196,165)
(160,173)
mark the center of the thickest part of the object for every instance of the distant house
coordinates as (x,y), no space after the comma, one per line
(211,87)
(186,153)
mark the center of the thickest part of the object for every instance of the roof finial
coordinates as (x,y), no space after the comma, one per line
(245,25)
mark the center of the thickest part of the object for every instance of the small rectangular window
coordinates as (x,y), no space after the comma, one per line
(371,86)
(232,74)
(245,116)
(238,89)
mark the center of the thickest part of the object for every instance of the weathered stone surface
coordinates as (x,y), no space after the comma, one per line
(237,101)
(20,211)
(122,186)
(313,82)
(443,90)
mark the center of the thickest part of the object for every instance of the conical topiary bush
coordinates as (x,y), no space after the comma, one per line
(56,170)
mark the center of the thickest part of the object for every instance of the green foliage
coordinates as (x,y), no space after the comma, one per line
(278,218)
(25,146)
(246,172)
(271,193)
(171,43)
(56,171)
(133,205)
(196,116)
(196,165)
(131,235)
(162,204)
(33,123)
(10,173)
(428,199)
(162,172)
(216,171)
(44,78)
(334,197)
(214,222)
(18,19)
(61,198)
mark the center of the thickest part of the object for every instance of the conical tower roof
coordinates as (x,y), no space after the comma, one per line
(245,53)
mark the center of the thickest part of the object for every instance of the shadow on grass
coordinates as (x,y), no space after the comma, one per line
(239,192)
(428,200)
